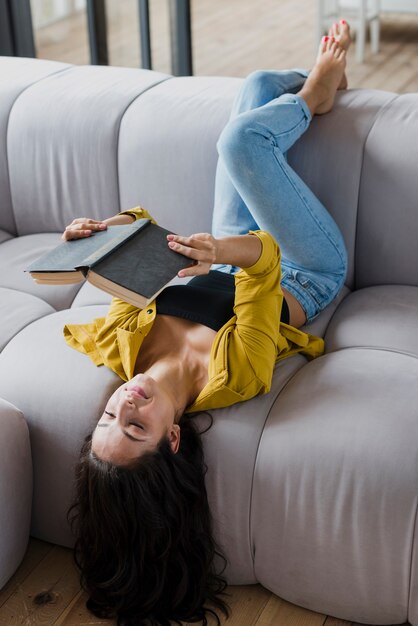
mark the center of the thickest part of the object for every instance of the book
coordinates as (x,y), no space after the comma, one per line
(132,262)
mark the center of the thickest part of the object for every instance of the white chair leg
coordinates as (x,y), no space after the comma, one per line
(361,31)
(375,27)
(375,35)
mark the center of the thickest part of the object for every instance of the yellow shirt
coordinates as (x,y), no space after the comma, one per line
(244,350)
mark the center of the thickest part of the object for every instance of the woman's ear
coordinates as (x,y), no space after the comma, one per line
(174,437)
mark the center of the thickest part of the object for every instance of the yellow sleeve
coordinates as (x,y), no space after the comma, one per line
(258,305)
(138,213)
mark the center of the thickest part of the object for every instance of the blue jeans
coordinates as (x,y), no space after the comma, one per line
(257,189)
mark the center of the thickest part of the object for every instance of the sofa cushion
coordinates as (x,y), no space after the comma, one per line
(4,235)
(231,448)
(383,317)
(172,178)
(69,167)
(89,295)
(17,310)
(387,227)
(16,74)
(15,489)
(17,254)
(62,394)
(335,489)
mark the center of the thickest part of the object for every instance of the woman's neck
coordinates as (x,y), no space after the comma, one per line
(176,354)
(180,378)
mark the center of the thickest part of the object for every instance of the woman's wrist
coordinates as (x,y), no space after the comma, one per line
(117,220)
(242,250)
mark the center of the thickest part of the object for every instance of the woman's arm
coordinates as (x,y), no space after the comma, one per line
(242,251)
(84,226)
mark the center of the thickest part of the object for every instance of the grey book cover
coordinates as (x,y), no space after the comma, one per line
(144,264)
(83,253)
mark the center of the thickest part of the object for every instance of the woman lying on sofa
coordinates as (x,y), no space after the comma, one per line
(144,537)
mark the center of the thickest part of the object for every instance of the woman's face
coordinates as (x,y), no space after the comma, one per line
(136,417)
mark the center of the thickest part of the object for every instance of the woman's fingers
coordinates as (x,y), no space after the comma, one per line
(82,227)
(195,270)
(199,247)
(75,234)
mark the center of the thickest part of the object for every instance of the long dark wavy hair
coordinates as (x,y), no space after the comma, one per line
(144,541)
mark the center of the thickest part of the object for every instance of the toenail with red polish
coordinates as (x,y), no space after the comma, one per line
(343,22)
(326,38)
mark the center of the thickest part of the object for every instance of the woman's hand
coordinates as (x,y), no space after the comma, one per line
(204,249)
(82,227)
(201,248)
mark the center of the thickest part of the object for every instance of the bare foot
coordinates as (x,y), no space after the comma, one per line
(323,81)
(341,33)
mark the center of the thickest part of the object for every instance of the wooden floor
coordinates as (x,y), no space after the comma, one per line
(235,37)
(232,37)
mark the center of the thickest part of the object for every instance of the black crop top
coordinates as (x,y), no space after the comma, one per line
(207,300)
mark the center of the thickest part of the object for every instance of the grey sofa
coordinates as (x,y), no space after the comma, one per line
(314,486)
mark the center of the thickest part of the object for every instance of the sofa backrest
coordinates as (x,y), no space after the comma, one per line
(16,75)
(94,140)
(361,160)
(387,226)
(63,144)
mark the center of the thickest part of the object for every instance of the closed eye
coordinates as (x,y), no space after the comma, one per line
(130,423)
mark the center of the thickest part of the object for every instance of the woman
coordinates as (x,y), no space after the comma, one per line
(141,517)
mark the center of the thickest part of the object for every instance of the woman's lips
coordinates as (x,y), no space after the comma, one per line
(137,391)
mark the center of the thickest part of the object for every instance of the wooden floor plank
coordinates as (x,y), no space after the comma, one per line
(77,614)
(333,621)
(55,575)
(246,604)
(36,551)
(281,613)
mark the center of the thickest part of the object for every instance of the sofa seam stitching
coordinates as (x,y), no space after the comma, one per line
(24,327)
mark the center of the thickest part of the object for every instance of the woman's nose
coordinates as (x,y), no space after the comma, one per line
(125,409)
